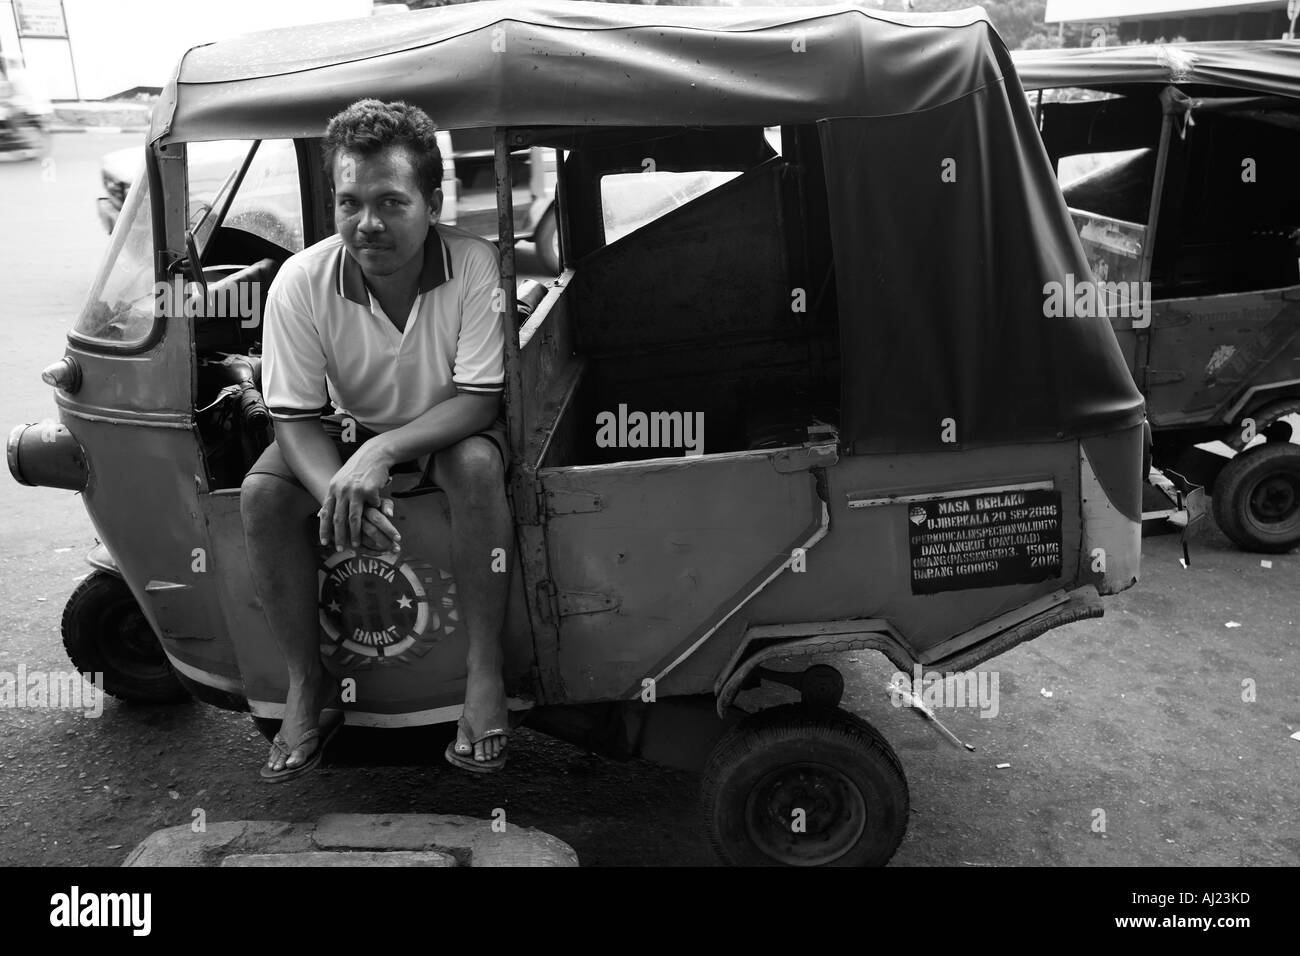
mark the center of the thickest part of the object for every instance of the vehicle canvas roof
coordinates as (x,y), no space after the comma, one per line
(1261,66)
(945,217)
(582,64)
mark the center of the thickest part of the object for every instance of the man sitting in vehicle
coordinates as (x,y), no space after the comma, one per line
(392,318)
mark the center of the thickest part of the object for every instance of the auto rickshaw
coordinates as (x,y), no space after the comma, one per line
(900,453)
(1178,164)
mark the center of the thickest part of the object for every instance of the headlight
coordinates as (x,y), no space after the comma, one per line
(46,455)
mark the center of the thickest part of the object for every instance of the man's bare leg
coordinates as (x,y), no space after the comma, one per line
(472,475)
(283,563)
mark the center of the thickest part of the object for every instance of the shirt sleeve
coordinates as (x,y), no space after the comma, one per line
(480,348)
(293,360)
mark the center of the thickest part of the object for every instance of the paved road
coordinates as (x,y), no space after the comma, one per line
(1146,720)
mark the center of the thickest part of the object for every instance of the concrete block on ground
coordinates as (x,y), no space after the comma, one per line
(349,858)
(466,837)
(181,846)
(354,839)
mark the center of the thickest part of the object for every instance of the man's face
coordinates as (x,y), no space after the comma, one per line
(379,211)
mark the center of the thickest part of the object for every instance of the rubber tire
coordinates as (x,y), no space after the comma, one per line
(96,612)
(546,239)
(763,741)
(1232,493)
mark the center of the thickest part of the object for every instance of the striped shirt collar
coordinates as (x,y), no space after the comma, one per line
(350,283)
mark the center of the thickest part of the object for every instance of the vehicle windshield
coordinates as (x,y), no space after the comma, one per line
(1108,194)
(269,201)
(212,169)
(120,307)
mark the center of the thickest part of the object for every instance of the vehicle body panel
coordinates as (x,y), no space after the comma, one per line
(1206,351)
(421,680)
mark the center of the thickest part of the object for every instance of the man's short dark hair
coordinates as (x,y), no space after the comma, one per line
(368,127)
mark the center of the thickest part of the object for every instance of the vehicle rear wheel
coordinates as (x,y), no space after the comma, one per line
(547,239)
(803,786)
(1257,498)
(104,631)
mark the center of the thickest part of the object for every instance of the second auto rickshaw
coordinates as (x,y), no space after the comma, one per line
(901,452)
(1178,164)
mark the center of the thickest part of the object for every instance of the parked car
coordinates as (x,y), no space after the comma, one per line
(1178,165)
(117,171)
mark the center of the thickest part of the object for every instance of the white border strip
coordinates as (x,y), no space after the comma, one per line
(1046,485)
(357,718)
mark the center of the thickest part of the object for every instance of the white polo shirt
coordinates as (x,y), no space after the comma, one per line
(326,338)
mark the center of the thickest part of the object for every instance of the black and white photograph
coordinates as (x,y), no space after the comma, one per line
(705,435)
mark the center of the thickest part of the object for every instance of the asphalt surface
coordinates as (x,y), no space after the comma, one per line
(1146,721)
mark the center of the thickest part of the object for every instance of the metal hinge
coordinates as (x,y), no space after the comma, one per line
(547,599)
(585,602)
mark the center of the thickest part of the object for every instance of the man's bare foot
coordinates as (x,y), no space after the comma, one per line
(485,709)
(302,709)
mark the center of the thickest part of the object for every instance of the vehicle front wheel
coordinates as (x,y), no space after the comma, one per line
(105,632)
(801,786)
(1257,498)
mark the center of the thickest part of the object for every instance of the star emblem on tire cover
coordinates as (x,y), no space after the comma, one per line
(381,609)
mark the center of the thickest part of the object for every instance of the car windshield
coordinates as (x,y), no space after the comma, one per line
(120,307)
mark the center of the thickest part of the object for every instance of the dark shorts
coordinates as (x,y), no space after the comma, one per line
(272,461)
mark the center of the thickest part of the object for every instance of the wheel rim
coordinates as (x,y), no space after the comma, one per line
(127,643)
(1275,502)
(835,815)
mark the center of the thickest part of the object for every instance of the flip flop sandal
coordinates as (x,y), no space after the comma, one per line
(331,722)
(468,762)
